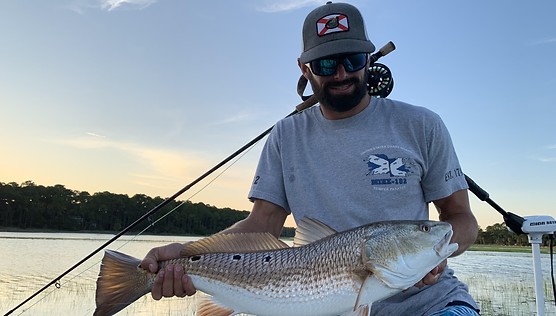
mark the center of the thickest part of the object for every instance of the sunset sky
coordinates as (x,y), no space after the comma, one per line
(143,96)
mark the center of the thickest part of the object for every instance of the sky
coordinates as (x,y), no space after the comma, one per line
(144,96)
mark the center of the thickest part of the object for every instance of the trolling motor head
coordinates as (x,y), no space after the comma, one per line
(379,77)
(540,224)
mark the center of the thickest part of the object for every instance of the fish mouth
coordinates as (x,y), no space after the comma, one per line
(444,248)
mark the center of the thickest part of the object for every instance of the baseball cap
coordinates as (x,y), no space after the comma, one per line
(334,28)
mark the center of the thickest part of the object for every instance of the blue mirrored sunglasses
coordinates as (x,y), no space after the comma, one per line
(327,66)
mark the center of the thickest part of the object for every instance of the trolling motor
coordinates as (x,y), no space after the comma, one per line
(379,77)
(535,227)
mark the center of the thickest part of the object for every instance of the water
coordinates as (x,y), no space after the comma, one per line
(503,283)
(29,261)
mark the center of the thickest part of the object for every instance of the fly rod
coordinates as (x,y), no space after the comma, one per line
(300,107)
(307,103)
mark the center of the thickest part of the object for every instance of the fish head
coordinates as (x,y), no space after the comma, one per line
(401,253)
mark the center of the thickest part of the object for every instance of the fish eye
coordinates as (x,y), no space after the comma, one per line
(426,228)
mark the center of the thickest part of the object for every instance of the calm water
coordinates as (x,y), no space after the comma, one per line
(502,282)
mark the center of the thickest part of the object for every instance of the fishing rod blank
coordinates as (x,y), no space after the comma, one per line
(300,107)
(307,103)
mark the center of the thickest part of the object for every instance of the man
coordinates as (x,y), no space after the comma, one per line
(350,161)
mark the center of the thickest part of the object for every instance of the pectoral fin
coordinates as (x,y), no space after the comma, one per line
(360,311)
(207,307)
(373,290)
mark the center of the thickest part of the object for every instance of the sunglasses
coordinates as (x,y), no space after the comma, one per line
(327,66)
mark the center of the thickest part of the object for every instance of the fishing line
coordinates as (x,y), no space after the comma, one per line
(300,107)
(59,283)
(190,197)
(308,102)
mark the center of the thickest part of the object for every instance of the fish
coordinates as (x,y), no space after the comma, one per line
(325,272)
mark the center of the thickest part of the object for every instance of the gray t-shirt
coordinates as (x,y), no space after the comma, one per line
(385,163)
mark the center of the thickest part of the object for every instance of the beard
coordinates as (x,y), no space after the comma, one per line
(340,103)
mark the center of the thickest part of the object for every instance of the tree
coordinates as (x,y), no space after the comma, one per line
(55,207)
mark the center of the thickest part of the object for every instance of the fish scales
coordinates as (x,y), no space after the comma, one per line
(284,273)
(341,274)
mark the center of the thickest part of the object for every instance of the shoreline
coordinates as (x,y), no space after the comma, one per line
(474,247)
(505,248)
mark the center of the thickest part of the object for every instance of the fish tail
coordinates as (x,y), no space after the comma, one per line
(120,282)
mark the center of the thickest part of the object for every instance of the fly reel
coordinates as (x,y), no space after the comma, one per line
(379,81)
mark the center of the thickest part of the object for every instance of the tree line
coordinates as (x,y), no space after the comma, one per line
(31,206)
(499,234)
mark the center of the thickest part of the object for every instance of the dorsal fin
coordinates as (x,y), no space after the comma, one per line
(310,230)
(233,242)
(207,307)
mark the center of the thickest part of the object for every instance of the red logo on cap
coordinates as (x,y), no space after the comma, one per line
(332,23)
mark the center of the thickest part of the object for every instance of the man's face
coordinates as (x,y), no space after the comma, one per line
(341,91)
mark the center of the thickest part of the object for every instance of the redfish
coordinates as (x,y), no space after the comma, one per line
(325,273)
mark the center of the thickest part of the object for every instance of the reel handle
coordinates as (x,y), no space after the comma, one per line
(383,51)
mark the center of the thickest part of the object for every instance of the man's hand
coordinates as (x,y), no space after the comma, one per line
(433,276)
(172,280)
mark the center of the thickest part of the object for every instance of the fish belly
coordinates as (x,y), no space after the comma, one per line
(278,302)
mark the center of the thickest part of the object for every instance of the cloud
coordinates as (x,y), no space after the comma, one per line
(80,6)
(110,5)
(165,170)
(546,158)
(95,135)
(544,41)
(231,120)
(281,6)
(164,163)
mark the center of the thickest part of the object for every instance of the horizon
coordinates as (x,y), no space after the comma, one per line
(131,96)
(177,199)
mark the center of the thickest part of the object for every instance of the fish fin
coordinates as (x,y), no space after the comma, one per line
(359,294)
(207,307)
(359,311)
(120,282)
(373,290)
(233,242)
(310,230)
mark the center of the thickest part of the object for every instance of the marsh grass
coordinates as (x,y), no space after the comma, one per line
(501,282)
(496,296)
(501,298)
